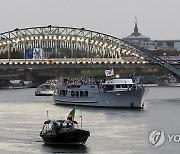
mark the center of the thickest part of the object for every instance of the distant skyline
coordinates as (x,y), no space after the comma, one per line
(157,19)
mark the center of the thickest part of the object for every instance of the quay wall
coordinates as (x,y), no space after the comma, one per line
(39,76)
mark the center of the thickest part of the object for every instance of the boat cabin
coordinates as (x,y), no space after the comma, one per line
(56,125)
(118,85)
(46,86)
(77,91)
(88,90)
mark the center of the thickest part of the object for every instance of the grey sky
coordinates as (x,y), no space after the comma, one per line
(157,19)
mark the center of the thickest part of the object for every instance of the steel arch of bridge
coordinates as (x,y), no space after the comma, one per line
(92,43)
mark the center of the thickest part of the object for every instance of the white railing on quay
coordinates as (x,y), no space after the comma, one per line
(71,61)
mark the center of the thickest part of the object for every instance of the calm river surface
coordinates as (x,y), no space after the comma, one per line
(113,131)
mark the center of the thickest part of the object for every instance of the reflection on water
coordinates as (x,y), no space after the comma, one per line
(117,131)
(64,148)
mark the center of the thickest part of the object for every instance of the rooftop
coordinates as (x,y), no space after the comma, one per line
(136,34)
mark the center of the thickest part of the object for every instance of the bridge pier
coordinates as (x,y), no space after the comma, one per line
(28,74)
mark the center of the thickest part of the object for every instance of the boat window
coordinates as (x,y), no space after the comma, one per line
(81,93)
(109,87)
(46,86)
(118,86)
(130,85)
(72,93)
(75,86)
(64,92)
(77,93)
(86,93)
(124,86)
(58,91)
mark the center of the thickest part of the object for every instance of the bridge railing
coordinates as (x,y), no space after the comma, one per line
(61,60)
(122,60)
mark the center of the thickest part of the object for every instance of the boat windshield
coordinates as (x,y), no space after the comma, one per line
(47,86)
(51,125)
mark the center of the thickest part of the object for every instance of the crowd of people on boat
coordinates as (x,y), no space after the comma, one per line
(67,81)
(56,125)
(77,81)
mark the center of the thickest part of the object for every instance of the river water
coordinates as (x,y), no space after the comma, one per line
(113,131)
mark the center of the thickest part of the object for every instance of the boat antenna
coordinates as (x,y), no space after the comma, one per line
(47,115)
(81,118)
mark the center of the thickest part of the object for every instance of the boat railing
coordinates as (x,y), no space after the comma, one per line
(54,127)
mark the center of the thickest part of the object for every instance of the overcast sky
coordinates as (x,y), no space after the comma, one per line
(157,19)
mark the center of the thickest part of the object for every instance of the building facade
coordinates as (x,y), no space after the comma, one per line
(145,42)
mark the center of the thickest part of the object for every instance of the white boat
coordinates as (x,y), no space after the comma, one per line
(45,89)
(15,84)
(111,93)
(18,84)
(168,80)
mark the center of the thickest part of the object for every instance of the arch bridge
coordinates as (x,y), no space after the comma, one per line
(68,45)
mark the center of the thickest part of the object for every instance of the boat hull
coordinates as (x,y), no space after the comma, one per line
(124,99)
(45,89)
(72,137)
(44,93)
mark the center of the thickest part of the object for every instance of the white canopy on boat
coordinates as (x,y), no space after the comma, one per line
(118,81)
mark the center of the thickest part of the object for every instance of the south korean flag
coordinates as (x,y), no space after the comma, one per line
(109,72)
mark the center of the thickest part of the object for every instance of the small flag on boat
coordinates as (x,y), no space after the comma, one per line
(109,72)
(137,80)
(71,115)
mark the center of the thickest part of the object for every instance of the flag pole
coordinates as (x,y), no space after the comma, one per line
(47,115)
(81,118)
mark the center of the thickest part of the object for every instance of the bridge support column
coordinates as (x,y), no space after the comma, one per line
(28,74)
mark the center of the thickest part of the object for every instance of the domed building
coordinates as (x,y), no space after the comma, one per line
(140,40)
